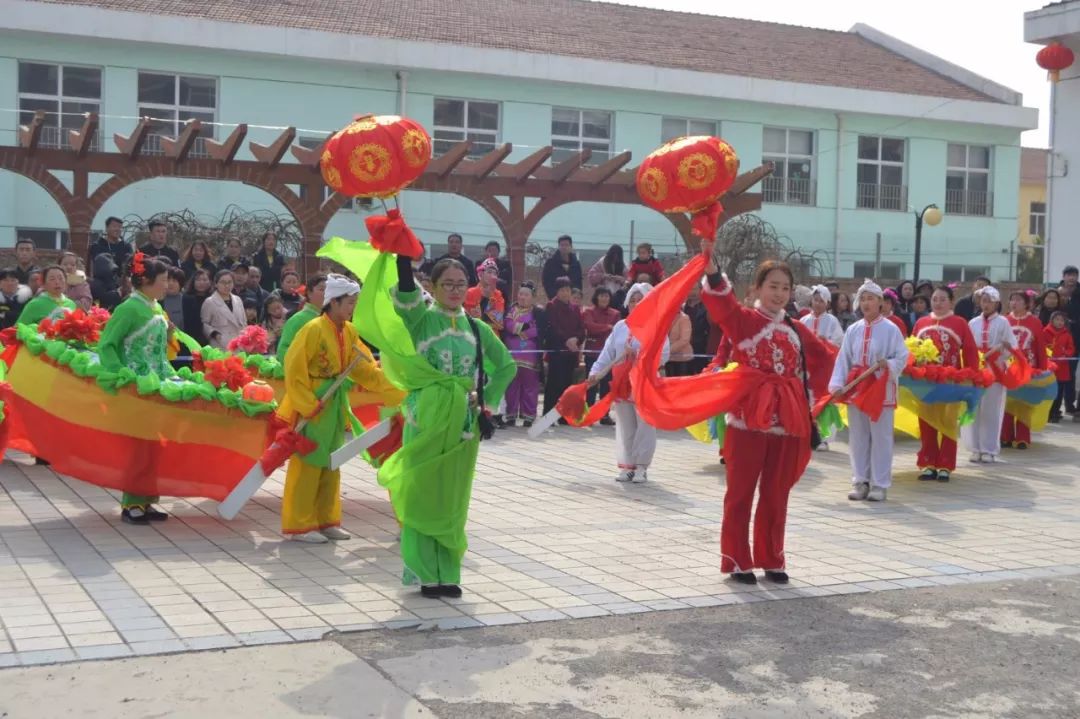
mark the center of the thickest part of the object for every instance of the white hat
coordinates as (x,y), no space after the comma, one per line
(641,288)
(870,287)
(991,292)
(339,286)
(822,291)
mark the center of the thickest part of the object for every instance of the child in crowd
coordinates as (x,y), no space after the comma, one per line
(78,289)
(645,264)
(273,320)
(1059,339)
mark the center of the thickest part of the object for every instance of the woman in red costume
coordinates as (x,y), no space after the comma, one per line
(762,448)
(1029,339)
(952,336)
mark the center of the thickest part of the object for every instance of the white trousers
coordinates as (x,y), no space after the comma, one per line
(635,439)
(871,447)
(984,434)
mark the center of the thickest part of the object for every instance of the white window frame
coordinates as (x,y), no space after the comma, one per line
(580,138)
(880,163)
(1037,218)
(883,274)
(153,143)
(465,130)
(967,272)
(967,206)
(47,138)
(715,131)
(786,157)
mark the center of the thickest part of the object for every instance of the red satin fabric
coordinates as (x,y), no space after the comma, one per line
(704,223)
(677,402)
(389,233)
(571,404)
(868,395)
(1016,374)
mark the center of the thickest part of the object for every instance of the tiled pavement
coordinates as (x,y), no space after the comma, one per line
(552,537)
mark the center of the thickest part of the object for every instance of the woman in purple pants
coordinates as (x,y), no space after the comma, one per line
(522,337)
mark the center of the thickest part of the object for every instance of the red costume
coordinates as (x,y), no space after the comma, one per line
(1061,345)
(1030,341)
(768,452)
(952,336)
(650,267)
(900,324)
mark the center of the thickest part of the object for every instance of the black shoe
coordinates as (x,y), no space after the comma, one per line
(1021,445)
(563,422)
(40,462)
(607,421)
(777,577)
(155,515)
(527,423)
(1007,445)
(943,475)
(431,591)
(499,422)
(928,475)
(134,515)
(450,590)
(743,577)
(1056,419)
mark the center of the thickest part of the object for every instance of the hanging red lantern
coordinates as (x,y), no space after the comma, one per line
(689,174)
(375,156)
(1054,58)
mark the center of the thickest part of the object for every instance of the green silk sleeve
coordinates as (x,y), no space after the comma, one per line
(109,349)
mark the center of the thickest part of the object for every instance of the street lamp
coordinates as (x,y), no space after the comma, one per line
(931,215)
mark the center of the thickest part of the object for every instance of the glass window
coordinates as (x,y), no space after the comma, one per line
(65,92)
(575,130)
(43,239)
(887,271)
(460,120)
(880,173)
(673,127)
(967,180)
(1037,219)
(792,155)
(172,100)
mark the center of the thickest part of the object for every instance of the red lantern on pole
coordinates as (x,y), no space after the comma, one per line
(689,174)
(375,156)
(1054,58)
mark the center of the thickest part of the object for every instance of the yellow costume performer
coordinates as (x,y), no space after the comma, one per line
(320,352)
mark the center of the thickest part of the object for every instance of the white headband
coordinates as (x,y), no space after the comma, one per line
(823,291)
(339,286)
(642,288)
(870,287)
(990,292)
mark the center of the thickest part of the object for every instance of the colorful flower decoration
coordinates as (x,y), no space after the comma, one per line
(138,266)
(76,327)
(252,340)
(228,372)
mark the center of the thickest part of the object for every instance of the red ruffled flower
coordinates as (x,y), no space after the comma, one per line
(389,233)
(253,340)
(228,372)
(77,327)
(138,268)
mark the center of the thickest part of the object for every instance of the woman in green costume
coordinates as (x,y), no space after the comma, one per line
(137,337)
(51,302)
(431,352)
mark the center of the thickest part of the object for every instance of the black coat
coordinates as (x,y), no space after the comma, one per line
(554,269)
(470,268)
(193,325)
(271,269)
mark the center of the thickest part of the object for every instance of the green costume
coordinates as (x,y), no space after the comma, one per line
(300,318)
(44,306)
(137,337)
(431,353)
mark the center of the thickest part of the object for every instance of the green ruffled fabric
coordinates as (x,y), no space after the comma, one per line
(193,385)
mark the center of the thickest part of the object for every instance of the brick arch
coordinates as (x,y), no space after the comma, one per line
(38,173)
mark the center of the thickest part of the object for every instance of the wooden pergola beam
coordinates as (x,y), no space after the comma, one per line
(484,166)
(131,146)
(30,135)
(748,179)
(80,140)
(309,156)
(445,163)
(600,174)
(270,155)
(520,171)
(225,152)
(179,148)
(562,171)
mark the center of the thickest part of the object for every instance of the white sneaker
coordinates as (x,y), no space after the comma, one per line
(336,533)
(311,537)
(823,447)
(627,475)
(877,494)
(988,458)
(976,458)
(859,491)
(641,475)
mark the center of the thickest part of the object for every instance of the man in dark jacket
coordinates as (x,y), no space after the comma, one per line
(563,263)
(699,328)
(455,245)
(506,272)
(1069,279)
(158,246)
(966,306)
(13,297)
(112,242)
(105,281)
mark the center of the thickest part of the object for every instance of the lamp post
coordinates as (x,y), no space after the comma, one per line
(931,215)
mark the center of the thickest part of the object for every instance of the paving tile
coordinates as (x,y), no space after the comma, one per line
(104,651)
